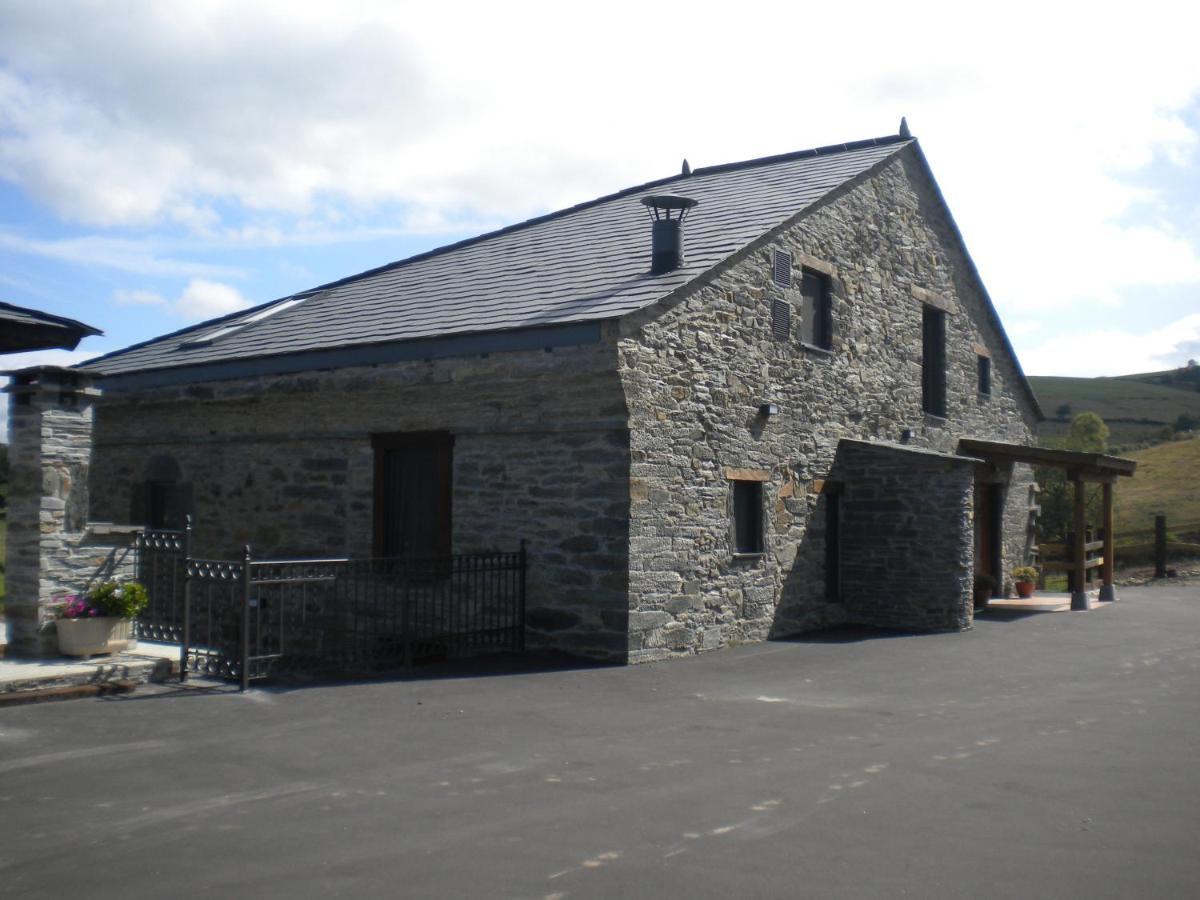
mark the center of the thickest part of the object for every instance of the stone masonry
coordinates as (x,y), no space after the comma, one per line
(697,367)
(285,464)
(52,550)
(616,460)
(906,529)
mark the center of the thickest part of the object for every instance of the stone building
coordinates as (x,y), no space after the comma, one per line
(736,418)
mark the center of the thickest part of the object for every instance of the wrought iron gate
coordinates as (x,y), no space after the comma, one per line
(248,618)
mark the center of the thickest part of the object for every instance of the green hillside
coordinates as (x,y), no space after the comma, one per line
(1136,411)
(1185,378)
(1167,481)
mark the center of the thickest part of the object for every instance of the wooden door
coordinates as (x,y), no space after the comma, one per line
(989,525)
(413,494)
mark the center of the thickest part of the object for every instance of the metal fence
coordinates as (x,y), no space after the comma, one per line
(161,565)
(249,618)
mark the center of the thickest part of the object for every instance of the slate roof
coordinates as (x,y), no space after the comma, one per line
(583,264)
(22,328)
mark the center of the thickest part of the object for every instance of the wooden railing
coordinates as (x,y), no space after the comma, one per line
(1146,544)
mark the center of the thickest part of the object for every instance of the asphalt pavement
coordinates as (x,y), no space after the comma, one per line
(1043,755)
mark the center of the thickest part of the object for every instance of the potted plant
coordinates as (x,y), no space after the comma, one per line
(100,621)
(1025,579)
(984,586)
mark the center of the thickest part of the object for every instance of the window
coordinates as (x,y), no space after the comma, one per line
(162,500)
(781,269)
(412,496)
(816,314)
(747,517)
(985,376)
(204,340)
(933,361)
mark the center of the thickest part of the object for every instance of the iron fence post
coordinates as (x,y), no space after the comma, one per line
(406,614)
(521,602)
(187,618)
(245,654)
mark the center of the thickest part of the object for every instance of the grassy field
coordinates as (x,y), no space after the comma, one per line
(1135,411)
(1167,481)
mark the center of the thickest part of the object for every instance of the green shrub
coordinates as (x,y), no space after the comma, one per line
(122,599)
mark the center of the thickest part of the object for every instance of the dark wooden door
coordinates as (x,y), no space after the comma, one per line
(412,494)
(989,524)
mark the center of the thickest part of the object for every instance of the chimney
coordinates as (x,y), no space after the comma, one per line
(667,237)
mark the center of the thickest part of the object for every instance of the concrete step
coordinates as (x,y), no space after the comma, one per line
(34,681)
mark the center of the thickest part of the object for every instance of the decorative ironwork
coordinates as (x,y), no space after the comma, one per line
(161,564)
(365,615)
(248,619)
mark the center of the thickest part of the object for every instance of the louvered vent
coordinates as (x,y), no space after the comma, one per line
(781,320)
(781,272)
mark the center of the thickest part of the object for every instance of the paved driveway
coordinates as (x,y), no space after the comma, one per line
(1046,756)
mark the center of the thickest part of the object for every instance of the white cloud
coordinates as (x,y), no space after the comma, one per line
(1109,351)
(122,254)
(207,299)
(138,298)
(272,123)
(200,299)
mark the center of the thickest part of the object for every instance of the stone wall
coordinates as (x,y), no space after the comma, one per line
(285,464)
(51,551)
(697,367)
(907,546)
(1020,523)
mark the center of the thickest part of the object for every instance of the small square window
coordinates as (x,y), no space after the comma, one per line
(816,310)
(985,376)
(747,517)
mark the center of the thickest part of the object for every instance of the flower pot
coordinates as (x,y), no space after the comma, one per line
(1024,589)
(87,637)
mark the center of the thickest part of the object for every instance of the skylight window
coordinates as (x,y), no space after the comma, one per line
(204,340)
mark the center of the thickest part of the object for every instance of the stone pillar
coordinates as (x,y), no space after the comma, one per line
(50,444)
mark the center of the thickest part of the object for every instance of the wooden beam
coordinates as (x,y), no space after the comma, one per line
(1072,460)
(1107,591)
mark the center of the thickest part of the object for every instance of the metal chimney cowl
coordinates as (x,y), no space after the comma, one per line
(666,240)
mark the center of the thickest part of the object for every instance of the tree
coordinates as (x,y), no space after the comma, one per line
(1087,434)
(1186,423)
(1063,411)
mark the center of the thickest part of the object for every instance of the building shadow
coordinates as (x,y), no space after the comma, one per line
(848,634)
(497,665)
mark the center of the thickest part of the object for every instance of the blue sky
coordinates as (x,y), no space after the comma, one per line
(163,163)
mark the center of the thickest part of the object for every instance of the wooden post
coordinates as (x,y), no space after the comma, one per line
(1108,592)
(1079,598)
(1160,546)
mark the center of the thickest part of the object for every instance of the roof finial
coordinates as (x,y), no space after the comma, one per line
(904,132)
(687,170)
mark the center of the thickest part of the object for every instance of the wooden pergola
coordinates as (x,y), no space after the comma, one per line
(1082,469)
